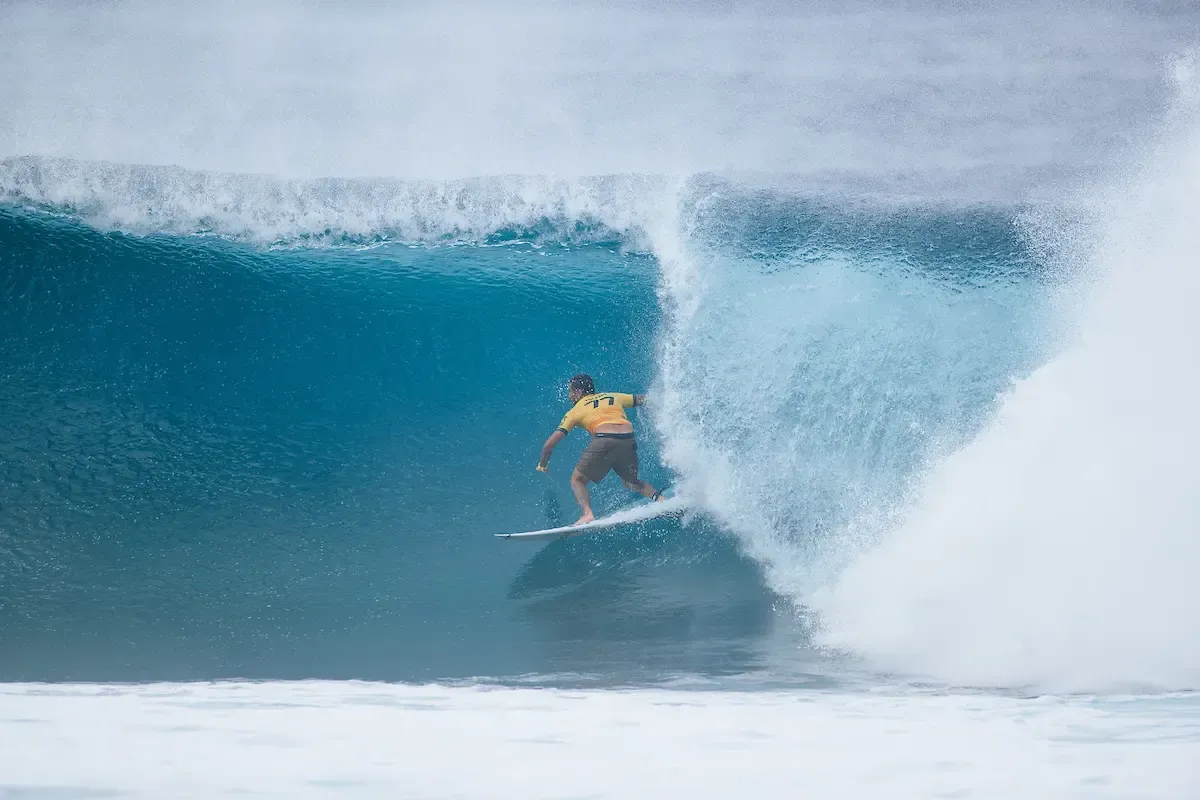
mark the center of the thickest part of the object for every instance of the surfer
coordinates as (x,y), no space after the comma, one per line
(613,447)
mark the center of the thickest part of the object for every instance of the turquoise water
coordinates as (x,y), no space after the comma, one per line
(290,296)
(278,460)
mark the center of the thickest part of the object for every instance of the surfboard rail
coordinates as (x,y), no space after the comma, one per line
(637,513)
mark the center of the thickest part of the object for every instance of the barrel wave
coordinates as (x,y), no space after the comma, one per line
(264,428)
(227,460)
(240,446)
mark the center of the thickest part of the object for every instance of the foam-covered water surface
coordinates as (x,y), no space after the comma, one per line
(370,740)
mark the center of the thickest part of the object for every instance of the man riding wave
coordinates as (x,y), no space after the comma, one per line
(613,446)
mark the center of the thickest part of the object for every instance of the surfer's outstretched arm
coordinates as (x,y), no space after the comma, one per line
(548,448)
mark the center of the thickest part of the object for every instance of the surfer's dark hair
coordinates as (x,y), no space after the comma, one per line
(582,383)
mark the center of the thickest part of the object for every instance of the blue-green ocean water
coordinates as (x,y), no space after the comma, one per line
(224,458)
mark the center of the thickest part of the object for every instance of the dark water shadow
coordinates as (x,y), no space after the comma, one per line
(662,596)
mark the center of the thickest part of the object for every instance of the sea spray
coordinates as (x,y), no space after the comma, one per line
(1059,547)
(809,362)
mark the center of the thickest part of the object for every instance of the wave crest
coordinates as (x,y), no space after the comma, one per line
(265,210)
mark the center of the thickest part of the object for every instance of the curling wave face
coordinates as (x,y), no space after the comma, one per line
(271,441)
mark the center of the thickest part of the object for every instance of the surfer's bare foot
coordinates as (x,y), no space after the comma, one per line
(586,518)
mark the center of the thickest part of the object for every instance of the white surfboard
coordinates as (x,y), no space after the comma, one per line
(672,505)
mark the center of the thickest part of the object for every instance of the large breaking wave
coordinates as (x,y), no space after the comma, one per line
(263,428)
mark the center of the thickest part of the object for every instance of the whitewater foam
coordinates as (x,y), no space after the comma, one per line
(803,382)
(1059,547)
(314,739)
(266,210)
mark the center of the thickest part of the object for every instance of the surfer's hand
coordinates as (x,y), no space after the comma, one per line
(543,467)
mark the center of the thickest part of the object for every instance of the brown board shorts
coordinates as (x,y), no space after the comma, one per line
(615,451)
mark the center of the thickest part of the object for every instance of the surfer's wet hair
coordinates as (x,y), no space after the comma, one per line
(582,383)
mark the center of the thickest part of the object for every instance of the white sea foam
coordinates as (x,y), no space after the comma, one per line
(298,740)
(797,393)
(1060,547)
(265,210)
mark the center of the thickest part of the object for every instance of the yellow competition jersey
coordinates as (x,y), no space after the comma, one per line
(597,409)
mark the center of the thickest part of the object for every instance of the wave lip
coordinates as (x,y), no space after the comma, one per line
(265,210)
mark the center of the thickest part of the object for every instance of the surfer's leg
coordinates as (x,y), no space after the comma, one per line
(579,486)
(593,465)
(625,464)
(644,489)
